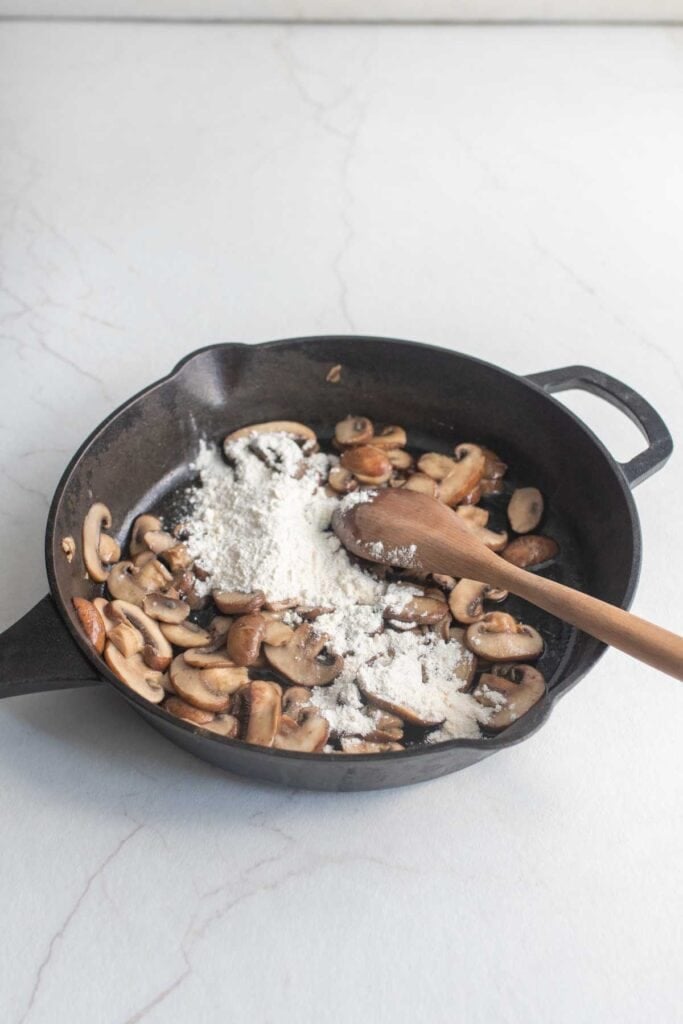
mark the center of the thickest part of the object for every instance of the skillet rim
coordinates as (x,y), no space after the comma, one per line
(514,734)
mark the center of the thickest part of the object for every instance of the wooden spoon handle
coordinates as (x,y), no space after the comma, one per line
(642,640)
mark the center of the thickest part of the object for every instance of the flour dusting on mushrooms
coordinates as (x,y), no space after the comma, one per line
(261,521)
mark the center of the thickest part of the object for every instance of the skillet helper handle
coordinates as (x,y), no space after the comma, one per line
(37,654)
(650,644)
(628,401)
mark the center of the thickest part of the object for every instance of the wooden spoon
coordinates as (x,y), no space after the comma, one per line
(412,530)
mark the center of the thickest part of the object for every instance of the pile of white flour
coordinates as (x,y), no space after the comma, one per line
(261,521)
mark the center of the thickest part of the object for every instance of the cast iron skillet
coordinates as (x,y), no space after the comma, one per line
(142,453)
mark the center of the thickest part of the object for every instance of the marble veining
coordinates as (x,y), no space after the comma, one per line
(510,193)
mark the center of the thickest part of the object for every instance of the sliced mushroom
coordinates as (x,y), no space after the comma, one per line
(188,712)
(405,713)
(176,557)
(141,526)
(300,661)
(333,375)
(277,634)
(441,580)
(494,467)
(530,550)
(185,634)
(465,475)
(165,609)
(400,459)
(291,427)
(143,558)
(342,480)
(281,606)
(294,700)
(307,738)
(368,464)
(218,632)
(466,600)
(519,686)
(489,488)
(499,637)
(245,637)
(159,540)
(353,430)
(98,517)
(472,514)
(156,650)
(201,657)
(135,674)
(390,437)
(424,611)
(224,725)
(473,497)
(109,549)
(525,509)
(184,582)
(435,465)
(264,707)
(127,638)
(352,745)
(91,621)
(153,576)
(236,602)
(210,689)
(423,484)
(123,583)
(492,540)
(388,728)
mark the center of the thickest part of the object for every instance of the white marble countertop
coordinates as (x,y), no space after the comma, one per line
(512,193)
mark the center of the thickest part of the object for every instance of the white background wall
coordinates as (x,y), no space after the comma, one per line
(408,10)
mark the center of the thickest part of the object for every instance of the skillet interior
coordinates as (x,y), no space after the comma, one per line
(143,454)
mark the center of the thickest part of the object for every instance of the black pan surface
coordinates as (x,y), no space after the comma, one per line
(140,459)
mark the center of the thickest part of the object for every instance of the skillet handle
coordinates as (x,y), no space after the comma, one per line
(652,426)
(37,653)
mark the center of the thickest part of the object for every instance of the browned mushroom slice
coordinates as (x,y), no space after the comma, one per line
(122,583)
(282,605)
(153,576)
(307,738)
(425,611)
(236,602)
(109,549)
(499,637)
(368,464)
(201,657)
(441,580)
(400,459)
(68,546)
(489,488)
(176,557)
(388,728)
(333,375)
(224,725)
(245,637)
(435,465)
(143,558)
(277,634)
(264,707)
(390,437)
(91,621)
(310,612)
(165,609)
(494,467)
(423,484)
(466,666)
(98,517)
(135,674)
(159,540)
(188,712)
(294,700)
(141,526)
(472,514)
(156,649)
(127,638)
(210,689)
(492,540)
(465,475)
(185,634)
(472,497)
(291,427)
(353,430)
(525,509)
(530,550)
(466,600)
(512,690)
(300,660)
(218,632)
(352,745)
(184,581)
(341,480)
